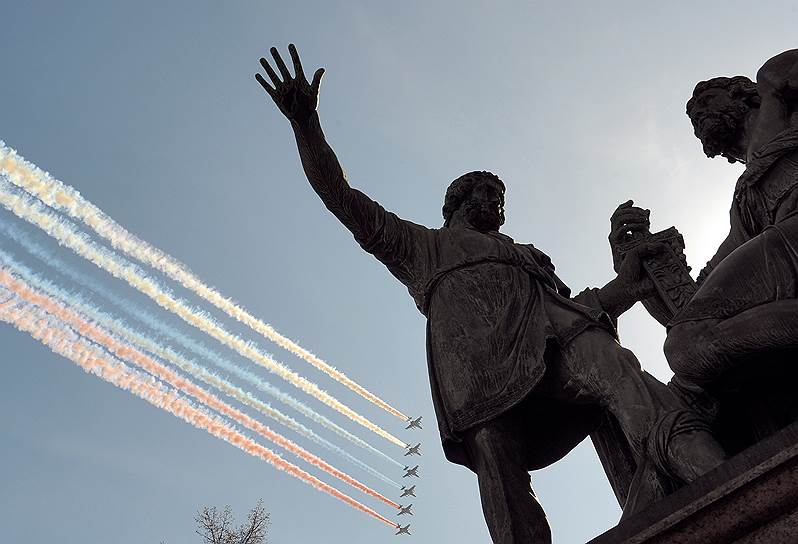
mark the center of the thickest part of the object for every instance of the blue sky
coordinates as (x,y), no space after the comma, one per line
(151,111)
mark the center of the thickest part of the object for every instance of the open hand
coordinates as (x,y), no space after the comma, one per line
(295,97)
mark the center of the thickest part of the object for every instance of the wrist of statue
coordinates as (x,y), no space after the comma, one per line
(306,122)
(615,297)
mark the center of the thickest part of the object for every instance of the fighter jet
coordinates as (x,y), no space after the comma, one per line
(414,450)
(411,472)
(405,510)
(408,491)
(414,423)
(403,530)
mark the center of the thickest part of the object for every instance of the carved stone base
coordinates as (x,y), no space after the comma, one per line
(750,499)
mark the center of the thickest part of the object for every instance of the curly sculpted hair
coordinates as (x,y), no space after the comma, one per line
(460,189)
(737,87)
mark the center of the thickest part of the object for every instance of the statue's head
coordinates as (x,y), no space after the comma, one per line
(718,110)
(477,198)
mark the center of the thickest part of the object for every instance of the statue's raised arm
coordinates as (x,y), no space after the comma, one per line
(378,231)
(298,100)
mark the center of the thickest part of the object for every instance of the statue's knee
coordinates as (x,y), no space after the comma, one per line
(492,450)
(679,345)
(484,439)
(675,343)
(688,349)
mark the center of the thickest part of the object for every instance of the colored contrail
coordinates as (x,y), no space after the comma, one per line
(118,327)
(187,342)
(97,334)
(60,196)
(63,341)
(24,207)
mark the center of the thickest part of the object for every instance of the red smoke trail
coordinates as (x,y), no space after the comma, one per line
(26,207)
(63,341)
(120,349)
(62,197)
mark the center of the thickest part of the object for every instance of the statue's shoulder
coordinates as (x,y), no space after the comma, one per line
(780,74)
(784,144)
(542,258)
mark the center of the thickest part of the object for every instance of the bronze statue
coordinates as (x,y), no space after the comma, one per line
(520,372)
(741,321)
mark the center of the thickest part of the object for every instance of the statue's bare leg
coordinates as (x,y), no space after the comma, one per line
(512,512)
(594,368)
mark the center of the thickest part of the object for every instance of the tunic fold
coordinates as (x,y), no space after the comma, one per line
(492,306)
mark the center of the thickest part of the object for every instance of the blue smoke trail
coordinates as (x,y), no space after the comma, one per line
(67,200)
(184,340)
(119,327)
(68,235)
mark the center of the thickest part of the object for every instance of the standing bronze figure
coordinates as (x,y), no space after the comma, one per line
(520,372)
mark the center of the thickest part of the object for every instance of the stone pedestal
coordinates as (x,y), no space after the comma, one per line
(750,499)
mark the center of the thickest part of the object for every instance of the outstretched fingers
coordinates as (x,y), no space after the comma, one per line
(280,64)
(266,87)
(294,96)
(317,80)
(266,66)
(300,74)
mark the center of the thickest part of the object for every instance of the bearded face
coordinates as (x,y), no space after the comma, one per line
(483,216)
(484,208)
(718,121)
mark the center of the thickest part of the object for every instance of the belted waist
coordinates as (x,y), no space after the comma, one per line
(432,283)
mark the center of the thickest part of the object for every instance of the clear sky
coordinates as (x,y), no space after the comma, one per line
(151,111)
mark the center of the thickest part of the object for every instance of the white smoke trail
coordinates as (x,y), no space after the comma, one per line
(63,341)
(66,234)
(173,334)
(119,328)
(102,337)
(58,195)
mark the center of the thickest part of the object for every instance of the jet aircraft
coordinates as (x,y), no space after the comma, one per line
(405,510)
(414,423)
(413,450)
(403,530)
(408,491)
(411,472)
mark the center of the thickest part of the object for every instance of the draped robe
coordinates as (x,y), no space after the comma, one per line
(492,307)
(758,262)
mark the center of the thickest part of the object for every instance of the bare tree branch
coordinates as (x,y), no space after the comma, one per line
(217,527)
(254,530)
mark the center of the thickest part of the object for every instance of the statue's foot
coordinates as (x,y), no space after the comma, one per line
(693,454)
